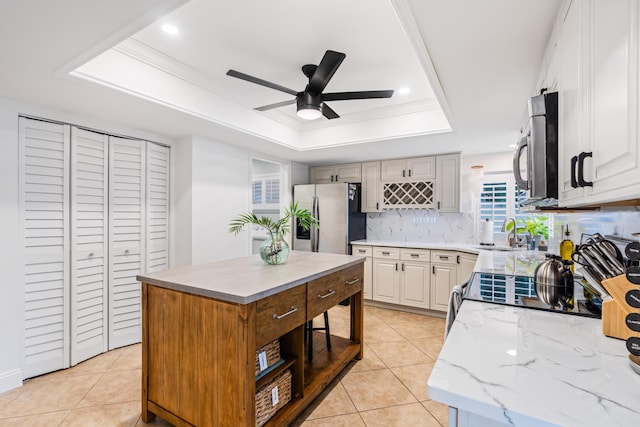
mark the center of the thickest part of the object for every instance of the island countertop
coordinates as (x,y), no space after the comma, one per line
(248,279)
(533,368)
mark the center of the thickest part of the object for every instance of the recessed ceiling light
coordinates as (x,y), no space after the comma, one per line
(170,29)
(404,91)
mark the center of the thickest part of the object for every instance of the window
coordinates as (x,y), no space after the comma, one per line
(500,199)
(265,192)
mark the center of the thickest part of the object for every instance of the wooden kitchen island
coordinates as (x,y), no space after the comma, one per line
(202,326)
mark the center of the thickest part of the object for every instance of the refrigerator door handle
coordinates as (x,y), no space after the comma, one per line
(315,233)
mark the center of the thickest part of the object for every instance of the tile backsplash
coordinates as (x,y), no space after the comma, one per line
(421,226)
(435,227)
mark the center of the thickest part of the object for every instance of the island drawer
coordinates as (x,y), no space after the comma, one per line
(349,281)
(322,294)
(278,314)
(446,257)
(361,250)
(415,255)
(390,253)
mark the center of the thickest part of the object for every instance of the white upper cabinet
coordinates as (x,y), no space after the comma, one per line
(412,169)
(448,183)
(599,156)
(350,172)
(370,200)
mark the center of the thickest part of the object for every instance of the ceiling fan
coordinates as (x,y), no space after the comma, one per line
(311,102)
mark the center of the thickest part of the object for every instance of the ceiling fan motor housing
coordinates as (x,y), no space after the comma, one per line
(308,101)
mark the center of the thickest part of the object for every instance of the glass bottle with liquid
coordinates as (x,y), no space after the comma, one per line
(566,246)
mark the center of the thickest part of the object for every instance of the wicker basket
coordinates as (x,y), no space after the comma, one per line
(273,354)
(264,397)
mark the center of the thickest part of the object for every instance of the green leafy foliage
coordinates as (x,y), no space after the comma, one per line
(281,226)
(536,225)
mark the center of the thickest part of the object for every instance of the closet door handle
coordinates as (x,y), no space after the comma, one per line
(574,161)
(581,181)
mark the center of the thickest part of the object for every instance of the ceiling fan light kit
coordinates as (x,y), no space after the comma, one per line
(310,103)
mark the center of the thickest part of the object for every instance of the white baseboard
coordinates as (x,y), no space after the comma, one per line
(10,380)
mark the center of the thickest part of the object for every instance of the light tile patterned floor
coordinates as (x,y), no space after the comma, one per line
(386,388)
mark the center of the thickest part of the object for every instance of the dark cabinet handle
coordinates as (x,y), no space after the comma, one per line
(396,266)
(581,181)
(377,204)
(409,173)
(403,266)
(458,259)
(336,177)
(438,205)
(574,161)
(403,173)
(433,269)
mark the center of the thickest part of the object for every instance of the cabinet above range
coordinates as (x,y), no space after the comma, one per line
(431,182)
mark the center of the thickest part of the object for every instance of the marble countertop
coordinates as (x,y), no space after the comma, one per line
(534,368)
(518,262)
(248,279)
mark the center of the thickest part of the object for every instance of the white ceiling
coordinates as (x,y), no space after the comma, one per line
(482,59)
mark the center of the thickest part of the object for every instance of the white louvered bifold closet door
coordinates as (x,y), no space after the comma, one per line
(89,190)
(44,176)
(158,157)
(126,233)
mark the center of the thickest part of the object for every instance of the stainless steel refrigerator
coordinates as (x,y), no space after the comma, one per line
(337,209)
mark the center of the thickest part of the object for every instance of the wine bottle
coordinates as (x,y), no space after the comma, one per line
(566,246)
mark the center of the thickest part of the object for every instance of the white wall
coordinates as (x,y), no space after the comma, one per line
(11,284)
(221,189)
(182,199)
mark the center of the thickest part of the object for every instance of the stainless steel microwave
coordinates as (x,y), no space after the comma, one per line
(540,143)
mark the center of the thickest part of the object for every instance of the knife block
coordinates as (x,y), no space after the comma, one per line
(615,311)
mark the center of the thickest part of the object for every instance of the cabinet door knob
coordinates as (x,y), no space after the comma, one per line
(581,181)
(574,162)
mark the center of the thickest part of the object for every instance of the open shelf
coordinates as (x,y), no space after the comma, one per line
(326,366)
(267,378)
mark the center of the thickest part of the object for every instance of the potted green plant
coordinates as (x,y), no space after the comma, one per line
(535,225)
(275,250)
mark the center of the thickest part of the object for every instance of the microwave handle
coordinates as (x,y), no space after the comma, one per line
(522,183)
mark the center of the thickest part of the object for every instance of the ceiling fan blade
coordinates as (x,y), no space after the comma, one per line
(327,67)
(328,112)
(369,94)
(276,105)
(247,77)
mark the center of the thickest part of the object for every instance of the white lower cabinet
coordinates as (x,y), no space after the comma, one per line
(466,263)
(443,279)
(414,277)
(366,251)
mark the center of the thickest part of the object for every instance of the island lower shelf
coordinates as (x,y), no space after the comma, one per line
(199,353)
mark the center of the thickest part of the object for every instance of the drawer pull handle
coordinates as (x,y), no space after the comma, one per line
(291,311)
(386,253)
(362,251)
(327,295)
(444,257)
(351,282)
(415,255)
